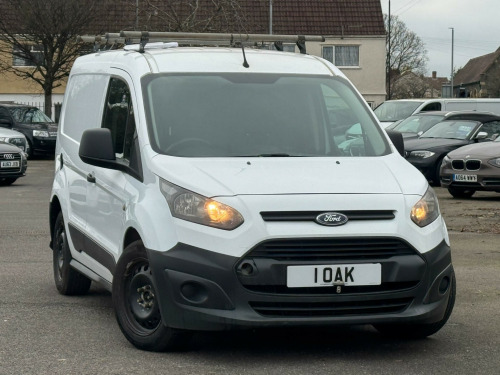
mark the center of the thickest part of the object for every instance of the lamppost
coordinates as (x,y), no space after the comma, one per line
(271,17)
(452,45)
(388,63)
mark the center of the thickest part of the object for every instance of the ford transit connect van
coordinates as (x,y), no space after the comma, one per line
(213,189)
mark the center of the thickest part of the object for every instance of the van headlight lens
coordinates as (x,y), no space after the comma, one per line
(426,210)
(186,205)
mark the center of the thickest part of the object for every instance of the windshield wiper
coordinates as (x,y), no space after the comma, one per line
(272,155)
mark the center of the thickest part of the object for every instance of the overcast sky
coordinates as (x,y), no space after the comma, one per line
(476,24)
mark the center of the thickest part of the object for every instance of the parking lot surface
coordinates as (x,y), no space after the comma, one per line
(42,332)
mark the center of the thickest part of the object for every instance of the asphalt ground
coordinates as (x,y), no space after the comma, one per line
(43,332)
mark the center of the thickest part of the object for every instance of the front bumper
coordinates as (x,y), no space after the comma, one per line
(202,290)
(488,178)
(44,145)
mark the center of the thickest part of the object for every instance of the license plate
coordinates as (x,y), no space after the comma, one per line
(10,164)
(465,177)
(330,275)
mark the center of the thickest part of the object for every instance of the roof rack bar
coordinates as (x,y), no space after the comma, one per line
(222,36)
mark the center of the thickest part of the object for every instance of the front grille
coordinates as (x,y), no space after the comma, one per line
(328,291)
(458,165)
(334,249)
(10,156)
(311,215)
(325,309)
(473,165)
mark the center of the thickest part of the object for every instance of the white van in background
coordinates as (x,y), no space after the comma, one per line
(391,111)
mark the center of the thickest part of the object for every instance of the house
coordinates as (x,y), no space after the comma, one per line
(435,85)
(479,78)
(354,33)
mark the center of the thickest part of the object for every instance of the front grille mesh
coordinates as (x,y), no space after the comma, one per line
(335,249)
(325,309)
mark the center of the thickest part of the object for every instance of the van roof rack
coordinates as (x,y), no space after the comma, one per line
(226,39)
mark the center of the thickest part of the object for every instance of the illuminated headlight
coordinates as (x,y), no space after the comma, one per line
(41,133)
(4,139)
(186,205)
(422,154)
(426,210)
(495,162)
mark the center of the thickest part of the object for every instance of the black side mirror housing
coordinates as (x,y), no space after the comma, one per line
(397,140)
(96,148)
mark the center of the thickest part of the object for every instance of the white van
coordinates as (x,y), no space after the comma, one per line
(208,191)
(391,111)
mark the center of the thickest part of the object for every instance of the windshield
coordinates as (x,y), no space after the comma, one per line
(28,115)
(451,129)
(416,124)
(397,110)
(236,115)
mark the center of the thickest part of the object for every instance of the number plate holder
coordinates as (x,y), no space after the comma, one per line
(10,164)
(333,275)
(465,177)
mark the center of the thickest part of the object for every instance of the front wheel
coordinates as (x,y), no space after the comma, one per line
(136,304)
(7,181)
(420,331)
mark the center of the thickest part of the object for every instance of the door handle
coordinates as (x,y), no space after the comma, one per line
(91,177)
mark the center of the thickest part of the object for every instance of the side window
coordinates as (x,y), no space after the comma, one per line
(491,128)
(119,118)
(432,107)
(5,120)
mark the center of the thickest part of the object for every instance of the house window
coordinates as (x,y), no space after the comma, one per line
(27,55)
(342,55)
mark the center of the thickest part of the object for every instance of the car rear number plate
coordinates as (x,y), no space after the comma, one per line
(465,177)
(10,164)
(330,275)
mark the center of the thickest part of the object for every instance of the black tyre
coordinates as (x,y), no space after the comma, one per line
(136,304)
(436,180)
(7,181)
(68,280)
(461,193)
(420,331)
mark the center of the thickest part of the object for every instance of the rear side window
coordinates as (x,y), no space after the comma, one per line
(84,97)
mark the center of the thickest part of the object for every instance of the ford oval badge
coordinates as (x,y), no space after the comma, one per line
(331,219)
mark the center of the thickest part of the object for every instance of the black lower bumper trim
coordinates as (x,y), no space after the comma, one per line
(201,290)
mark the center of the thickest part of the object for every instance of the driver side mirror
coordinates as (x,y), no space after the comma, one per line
(397,140)
(480,136)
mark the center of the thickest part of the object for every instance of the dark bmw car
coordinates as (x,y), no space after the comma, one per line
(13,163)
(472,168)
(39,129)
(426,153)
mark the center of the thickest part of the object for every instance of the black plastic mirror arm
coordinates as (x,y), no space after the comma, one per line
(397,140)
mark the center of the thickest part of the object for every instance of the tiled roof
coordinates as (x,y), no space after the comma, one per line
(313,17)
(472,71)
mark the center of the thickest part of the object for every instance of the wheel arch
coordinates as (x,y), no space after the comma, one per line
(54,210)
(131,235)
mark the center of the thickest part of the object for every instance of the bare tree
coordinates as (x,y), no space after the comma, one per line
(407,52)
(191,15)
(409,85)
(38,39)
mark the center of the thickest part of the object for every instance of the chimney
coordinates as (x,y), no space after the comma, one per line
(434,74)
